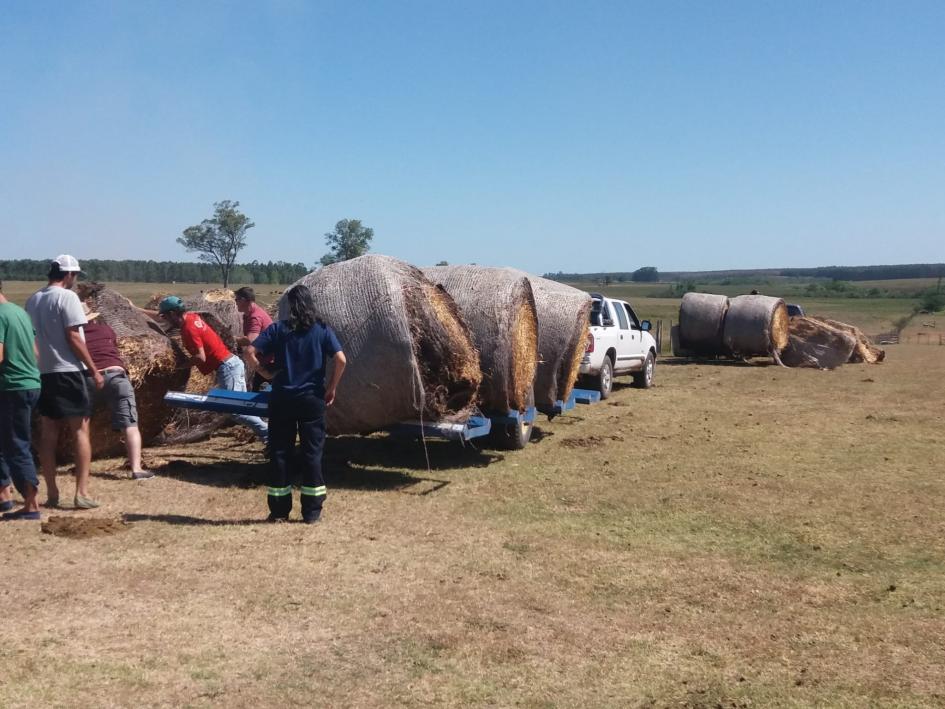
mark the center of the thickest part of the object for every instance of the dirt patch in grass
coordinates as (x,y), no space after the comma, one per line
(592,441)
(83,527)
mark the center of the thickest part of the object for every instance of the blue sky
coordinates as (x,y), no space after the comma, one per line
(543,135)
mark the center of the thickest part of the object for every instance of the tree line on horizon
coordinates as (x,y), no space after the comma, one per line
(836,273)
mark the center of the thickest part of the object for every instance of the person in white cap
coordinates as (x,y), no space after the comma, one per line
(66,368)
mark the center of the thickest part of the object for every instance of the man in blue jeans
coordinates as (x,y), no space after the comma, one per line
(19,392)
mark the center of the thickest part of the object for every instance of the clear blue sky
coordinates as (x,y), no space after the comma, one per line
(544,135)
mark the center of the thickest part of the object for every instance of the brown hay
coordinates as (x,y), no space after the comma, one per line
(813,343)
(218,295)
(498,307)
(701,323)
(865,351)
(755,325)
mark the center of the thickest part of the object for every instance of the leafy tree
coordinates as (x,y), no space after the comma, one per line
(349,240)
(442,263)
(647,274)
(932,301)
(219,239)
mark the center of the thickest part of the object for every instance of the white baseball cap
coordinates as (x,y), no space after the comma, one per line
(67,263)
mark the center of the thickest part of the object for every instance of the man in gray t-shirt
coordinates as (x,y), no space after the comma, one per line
(65,368)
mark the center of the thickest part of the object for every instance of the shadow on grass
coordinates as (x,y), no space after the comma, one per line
(683,361)
(191,521)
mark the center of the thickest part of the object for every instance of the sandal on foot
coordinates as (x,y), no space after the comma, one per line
(20,515)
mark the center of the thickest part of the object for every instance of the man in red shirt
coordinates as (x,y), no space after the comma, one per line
(255,320)
(210,355)
(118,392)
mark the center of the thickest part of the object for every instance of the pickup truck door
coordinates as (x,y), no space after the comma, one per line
(624,344)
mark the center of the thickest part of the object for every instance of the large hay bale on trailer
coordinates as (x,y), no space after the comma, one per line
(814,343)
(702,323)
(563,314)
(755,325)
(410,355)
(498,306)
(864,351)
(153,361)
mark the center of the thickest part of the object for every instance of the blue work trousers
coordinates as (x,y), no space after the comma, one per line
(16,459)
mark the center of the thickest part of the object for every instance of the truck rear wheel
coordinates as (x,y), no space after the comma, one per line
(605,380)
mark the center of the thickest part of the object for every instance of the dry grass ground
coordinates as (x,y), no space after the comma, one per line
(736,536)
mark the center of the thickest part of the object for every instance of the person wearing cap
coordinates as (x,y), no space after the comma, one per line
(66,368)
(118,393)
(210,355)
(255,320)
(19,392)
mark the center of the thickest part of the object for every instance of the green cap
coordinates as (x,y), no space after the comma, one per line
(171,302)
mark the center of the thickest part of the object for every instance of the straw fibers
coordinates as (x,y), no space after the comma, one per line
(410,355)
(701,323)
(563,314)
(864,351)
(498,307)
(755,325)
(814,343)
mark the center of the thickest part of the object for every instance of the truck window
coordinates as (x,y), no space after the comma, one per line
(634,320)
(621,316)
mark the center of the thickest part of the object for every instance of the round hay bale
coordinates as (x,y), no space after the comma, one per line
(701,323)
(563,322)
(813,343)
(498,306)
(410,355)
(755,325)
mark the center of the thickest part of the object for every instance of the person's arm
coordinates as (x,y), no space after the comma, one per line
(261,344)
(74,336)
(338,363)
(153,314)
(1,353)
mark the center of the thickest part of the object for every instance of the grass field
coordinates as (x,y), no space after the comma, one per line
(737,536)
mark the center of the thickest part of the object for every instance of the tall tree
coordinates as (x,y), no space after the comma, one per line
(219,239)
(350,239)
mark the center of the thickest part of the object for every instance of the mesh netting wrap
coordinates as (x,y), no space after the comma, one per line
(563,314)
(864,351)
(814,343)
(410,355)
(755,325)
(155,365)
(498,307)
(701,323)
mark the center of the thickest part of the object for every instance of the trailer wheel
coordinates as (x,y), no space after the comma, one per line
(514,436)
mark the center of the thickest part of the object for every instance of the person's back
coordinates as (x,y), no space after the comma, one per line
(53,310)
(18,370)
(102,344)
(301,358)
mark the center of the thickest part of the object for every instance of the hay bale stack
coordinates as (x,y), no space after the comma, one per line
(498,306)
(154,363)
(701,324)
(563,314)
(755,325)
(410,355)
(814,343)
(864,351)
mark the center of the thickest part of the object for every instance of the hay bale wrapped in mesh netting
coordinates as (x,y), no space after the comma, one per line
(498,306)
(410,355)
(701,324)
(813,343)
(755,325)
(864,351)
(563,314)
(155,365)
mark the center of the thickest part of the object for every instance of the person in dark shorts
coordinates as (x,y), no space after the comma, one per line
(302,346)
(68,376)
(19,392)
(118,392)
(255,320)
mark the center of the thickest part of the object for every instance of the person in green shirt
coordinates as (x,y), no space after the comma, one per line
(19,392)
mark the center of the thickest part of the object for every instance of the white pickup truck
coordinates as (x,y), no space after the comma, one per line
(618,343)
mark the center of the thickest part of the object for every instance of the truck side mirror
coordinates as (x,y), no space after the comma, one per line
(646,326)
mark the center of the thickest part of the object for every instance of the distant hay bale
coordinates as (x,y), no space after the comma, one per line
(814,343)
(701,324)
(498,306)
(755,325)
(865,351)
(410,355)
(563,314)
